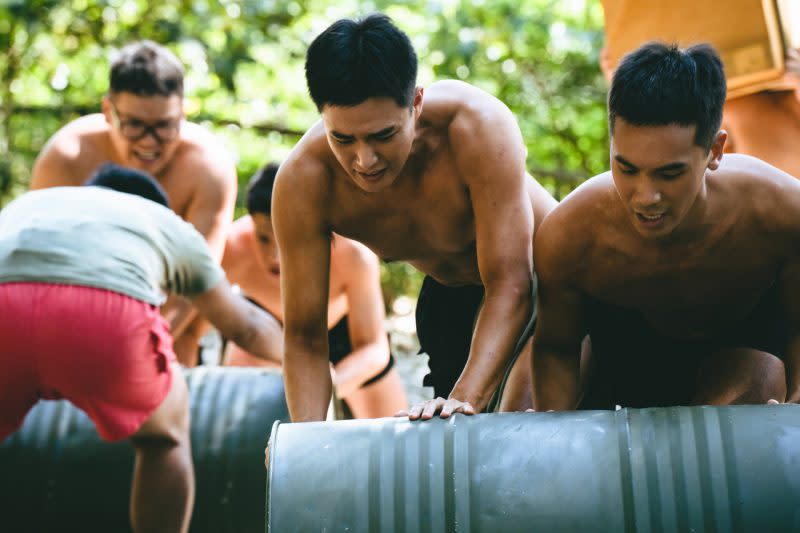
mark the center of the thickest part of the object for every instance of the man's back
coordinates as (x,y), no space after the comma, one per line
(97,237)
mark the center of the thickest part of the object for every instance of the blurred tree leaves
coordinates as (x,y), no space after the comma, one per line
(245,79)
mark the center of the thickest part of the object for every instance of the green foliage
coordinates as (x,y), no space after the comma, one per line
(245,80)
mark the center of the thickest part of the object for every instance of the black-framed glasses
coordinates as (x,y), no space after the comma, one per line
(134,129)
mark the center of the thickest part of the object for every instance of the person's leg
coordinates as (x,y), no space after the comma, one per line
(162,493)
(383,397)
(740,376)
(111,356)
(518,390)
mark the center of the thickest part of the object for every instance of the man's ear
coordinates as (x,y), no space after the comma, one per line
(106,109)
(416,105)
(717,149)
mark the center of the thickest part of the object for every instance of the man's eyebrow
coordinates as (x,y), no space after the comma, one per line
(624,161)
(335,133)
(381,133)
(677,165)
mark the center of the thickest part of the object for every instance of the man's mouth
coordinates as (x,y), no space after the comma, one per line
(650,219)
(372,176)
(147,156)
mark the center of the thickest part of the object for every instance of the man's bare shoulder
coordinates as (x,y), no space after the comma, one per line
(239,234)
(237,247)
(571,229)
(463,108)
(349,256)
(204,158)
(308,168)
(76,149)
(757,188)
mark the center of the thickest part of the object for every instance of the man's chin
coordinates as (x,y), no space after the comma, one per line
(374,186)
(151,166)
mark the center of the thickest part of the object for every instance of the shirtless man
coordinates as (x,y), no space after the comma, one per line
(683,268)
(363,373)
(82,273)
(142,126)
(435,177)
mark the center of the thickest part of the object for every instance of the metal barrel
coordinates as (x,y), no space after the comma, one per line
(56,474)
(663,469)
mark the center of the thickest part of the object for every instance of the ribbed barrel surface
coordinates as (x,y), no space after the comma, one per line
(669,469)
(57,475)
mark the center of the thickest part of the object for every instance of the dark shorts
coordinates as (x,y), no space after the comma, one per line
(637,366)
(339,346)
(445,321)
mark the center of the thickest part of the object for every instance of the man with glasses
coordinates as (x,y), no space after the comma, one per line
(142,126)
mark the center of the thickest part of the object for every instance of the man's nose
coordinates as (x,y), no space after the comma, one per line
(647,193)
(149,138)
(365,158)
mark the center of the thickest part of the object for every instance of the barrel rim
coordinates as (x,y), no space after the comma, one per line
(273,435)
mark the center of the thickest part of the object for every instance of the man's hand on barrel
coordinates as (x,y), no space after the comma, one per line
(428,409)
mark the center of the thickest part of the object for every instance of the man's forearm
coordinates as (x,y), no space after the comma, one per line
(556,377)
(359,366)
(307,378)
(500,324)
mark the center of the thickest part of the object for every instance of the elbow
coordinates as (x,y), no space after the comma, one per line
(516,292)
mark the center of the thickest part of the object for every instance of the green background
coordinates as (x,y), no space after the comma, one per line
(245,81)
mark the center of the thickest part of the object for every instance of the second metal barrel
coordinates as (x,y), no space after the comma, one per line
(57,475)
(667,469)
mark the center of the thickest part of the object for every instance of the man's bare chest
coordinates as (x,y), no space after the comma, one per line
(432,224)
(702,288)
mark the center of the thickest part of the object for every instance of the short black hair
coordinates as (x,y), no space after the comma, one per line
(129,181)
(660,84)
(145,68)
(259,190)
(353,60)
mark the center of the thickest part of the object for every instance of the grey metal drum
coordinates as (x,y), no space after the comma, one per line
(58,475)
(665,469)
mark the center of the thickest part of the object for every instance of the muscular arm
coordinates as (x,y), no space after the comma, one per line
(491,156)
(559,331)
(242,322)
(365,320)
(790,280)
(305,248)
(788,206)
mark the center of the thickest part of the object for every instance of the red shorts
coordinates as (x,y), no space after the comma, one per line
(107,353)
